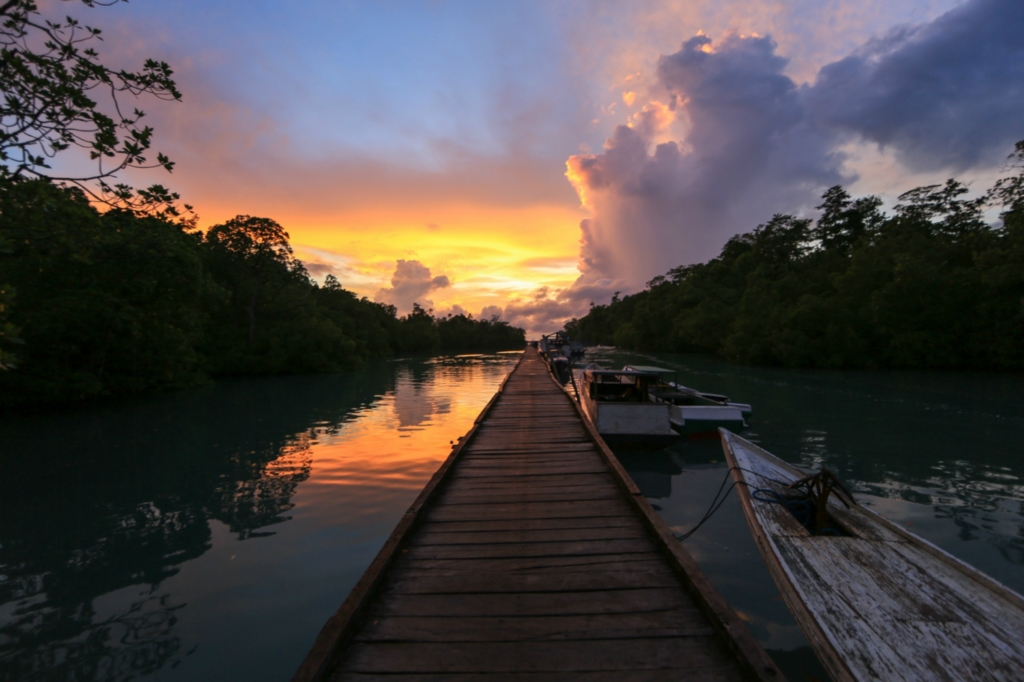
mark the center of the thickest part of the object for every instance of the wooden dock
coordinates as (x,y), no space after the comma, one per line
(531,554)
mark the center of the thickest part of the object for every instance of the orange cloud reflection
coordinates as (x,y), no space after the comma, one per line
(392,447)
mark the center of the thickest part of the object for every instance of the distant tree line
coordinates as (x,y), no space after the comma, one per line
(931,285)
(115,303)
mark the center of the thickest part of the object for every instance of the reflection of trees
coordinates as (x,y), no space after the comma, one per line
(138,641)
(985,503)
(95,502)
(259,500)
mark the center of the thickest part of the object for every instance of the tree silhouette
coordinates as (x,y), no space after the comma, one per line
(56,91)
(258,247)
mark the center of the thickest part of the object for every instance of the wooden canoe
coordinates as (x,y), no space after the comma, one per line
(878,603)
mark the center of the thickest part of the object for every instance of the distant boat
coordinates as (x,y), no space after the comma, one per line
(619,403)
(560,352)
(875,601)
(692,412)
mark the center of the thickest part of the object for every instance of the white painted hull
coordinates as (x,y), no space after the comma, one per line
(693,419)
(631,422)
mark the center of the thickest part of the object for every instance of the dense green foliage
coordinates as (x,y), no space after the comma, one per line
(932,285)
(97,304)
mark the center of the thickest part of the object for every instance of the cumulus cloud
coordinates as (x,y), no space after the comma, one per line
(730,139)
(410,284)
(317,269)
(748,145)
(491,312)
(546,309)
(454,311)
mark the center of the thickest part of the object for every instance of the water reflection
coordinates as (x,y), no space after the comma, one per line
(415,400)
(98,501)
(172,537)
(652,471)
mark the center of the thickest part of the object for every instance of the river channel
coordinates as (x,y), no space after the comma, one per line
(208,534)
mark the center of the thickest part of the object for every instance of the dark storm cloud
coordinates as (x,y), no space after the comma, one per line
(749,142)
(948,94)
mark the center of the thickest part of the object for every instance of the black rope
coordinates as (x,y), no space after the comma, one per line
(802,509)
(717,503)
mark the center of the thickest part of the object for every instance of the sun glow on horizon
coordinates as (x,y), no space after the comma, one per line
(491,255)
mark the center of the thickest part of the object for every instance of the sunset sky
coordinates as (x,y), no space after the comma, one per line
(526,158)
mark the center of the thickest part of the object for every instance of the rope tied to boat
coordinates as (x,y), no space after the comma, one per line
(716,503)
(811,491)
(809,503)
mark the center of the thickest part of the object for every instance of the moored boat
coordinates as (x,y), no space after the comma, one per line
(560,352)
(691,412)
(619,403)
(875,601)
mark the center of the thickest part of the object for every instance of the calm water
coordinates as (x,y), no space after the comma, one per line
(940,453)
(209,534)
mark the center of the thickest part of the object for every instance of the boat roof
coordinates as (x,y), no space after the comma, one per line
(651,369)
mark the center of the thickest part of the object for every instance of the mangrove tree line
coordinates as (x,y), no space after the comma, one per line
(932,284)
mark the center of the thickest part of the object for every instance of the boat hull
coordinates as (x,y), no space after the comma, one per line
(700,420)
(632,424)
(877,602)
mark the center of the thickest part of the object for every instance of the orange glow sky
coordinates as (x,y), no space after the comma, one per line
(439,132)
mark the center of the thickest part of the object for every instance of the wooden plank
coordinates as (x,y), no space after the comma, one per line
(519,439)
(539,510)
(520,535)
(648,575)
(526,458)
(566,656)
(521,525)
(529,549)
(528,495)
(529,603)
(483,486)
(557,469)
(684,622)
(594,480)
(663,675)
(475,449)
(515,564)
(544,451)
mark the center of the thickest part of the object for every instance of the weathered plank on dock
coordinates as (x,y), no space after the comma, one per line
(531,555)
